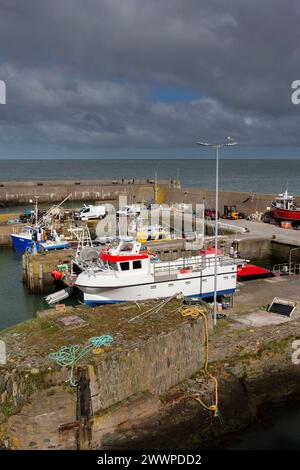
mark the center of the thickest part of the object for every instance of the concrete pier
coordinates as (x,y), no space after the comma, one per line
(36,269)
(248,202)
(6,232)
(14,193)
(169,191)
(261,230)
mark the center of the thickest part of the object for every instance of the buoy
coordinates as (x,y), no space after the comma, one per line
(57,274)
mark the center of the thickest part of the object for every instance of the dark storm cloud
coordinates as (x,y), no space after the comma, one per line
(80,72)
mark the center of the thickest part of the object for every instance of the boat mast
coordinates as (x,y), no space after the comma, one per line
(155,189)
(36,210)
(54,207)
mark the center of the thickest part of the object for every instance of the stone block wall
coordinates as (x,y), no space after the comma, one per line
(40,411)
(154,366)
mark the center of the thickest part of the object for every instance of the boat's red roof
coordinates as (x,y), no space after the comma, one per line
(210,251)
(117,258)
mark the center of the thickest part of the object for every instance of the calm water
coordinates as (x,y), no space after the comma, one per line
(236,175)
(16,304)
(283,433)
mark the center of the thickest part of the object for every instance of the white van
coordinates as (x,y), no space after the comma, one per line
(92,212)
(134,209)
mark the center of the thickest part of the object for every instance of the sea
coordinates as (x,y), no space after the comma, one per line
(248,174)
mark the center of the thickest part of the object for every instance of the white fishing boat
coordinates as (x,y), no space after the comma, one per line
(126,273)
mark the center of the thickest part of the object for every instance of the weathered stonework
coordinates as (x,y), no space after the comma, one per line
(40,411)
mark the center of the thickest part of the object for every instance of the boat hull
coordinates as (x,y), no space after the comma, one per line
(200,286)
(21,244)
(285,214)
(251,271)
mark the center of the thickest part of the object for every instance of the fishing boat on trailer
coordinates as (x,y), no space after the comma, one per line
(284,207)
(126,273)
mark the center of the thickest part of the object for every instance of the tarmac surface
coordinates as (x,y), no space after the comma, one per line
(252,297)
(263,230)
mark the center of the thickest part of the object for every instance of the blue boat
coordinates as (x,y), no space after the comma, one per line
(26,240)
(32,237)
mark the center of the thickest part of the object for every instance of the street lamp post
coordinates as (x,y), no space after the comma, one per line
(217,146)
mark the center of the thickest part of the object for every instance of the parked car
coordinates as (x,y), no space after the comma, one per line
(210,214)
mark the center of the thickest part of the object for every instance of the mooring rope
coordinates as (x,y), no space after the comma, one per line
(68,356)
(195,311)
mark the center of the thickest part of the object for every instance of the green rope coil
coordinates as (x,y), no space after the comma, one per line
(98,341)
(68,356)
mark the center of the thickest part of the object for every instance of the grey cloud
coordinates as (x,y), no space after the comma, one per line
(80,72)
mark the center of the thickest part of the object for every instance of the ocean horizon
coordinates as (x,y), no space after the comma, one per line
(249,175)
(256,152)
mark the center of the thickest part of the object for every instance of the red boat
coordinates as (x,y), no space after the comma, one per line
(284,207)
(251,271)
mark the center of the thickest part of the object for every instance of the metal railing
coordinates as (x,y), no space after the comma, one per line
(286,268)
(171,268)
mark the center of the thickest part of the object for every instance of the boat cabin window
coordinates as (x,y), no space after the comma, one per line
(124,266)
(113,266)
(137,264)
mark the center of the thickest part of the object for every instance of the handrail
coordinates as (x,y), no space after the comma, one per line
(286,268)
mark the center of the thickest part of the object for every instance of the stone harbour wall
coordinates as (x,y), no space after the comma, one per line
(155,366)
(38,410)
(13,193)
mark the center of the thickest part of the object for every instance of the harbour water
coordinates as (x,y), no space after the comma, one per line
(16,304)
(282,432)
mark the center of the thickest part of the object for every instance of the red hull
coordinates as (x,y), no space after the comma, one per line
(251,271)
(286,214)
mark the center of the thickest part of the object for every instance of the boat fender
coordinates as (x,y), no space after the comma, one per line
(57,274)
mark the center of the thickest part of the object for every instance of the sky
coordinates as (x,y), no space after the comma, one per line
(88,76)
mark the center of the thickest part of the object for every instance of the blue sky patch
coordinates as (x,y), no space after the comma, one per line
(173,94)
